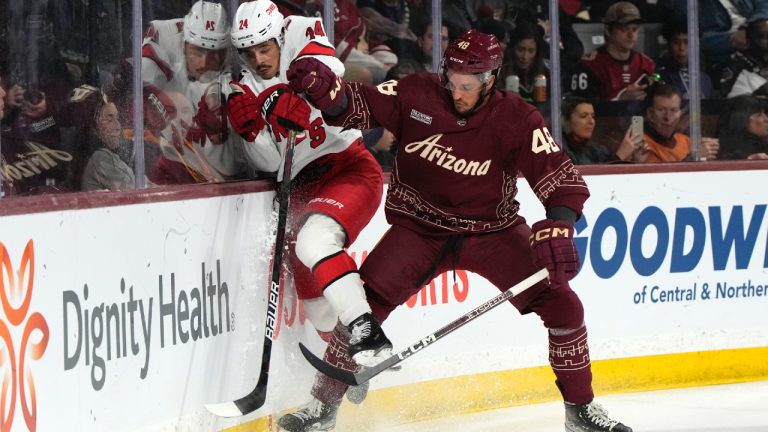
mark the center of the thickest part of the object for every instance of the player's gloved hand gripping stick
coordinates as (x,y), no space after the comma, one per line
(352,378)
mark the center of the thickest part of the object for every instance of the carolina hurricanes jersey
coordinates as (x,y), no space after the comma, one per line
(163,65)
(302,36)
(456,174)
(604,77)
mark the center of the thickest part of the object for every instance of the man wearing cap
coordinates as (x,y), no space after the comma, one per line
(615,71)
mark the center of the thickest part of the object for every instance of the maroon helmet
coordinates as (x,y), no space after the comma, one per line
(473,52)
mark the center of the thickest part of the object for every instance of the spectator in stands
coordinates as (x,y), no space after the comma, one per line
(673,66)
(615,71)
(723,25)
(665,141)
(459,16)
(579,125)
(352,47)
(97,164)
(525,58)
(388,21)
(404,68)
(35,156)
(747,72)
(380,143)
(422,52)
(743,128)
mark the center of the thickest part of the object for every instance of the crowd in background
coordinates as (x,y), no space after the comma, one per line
(66,74)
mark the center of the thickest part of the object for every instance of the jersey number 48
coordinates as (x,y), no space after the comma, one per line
(543,142)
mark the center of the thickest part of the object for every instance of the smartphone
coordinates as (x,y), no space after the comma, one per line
(637,126)
(644,80)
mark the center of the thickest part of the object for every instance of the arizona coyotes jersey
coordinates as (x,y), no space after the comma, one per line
(163,65)
(604,77)
(302,36)
(456,174)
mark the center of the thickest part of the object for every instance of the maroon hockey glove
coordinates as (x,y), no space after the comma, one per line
(553,248)
(314,78)
(282,108)
(243,111)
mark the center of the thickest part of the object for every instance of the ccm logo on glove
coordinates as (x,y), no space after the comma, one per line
(553,248)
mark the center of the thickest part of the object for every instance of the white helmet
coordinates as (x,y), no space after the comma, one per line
(257,22)
(206,25)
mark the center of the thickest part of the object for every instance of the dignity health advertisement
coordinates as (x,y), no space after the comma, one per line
(133,317)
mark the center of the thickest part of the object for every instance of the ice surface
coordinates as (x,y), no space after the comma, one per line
(721,408)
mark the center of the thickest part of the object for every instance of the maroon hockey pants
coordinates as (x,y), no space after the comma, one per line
(403,261)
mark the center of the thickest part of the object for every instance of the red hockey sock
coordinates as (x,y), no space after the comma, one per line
(569,358)
(326,389)
(332,268)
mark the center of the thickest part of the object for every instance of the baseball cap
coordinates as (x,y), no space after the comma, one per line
(622,13)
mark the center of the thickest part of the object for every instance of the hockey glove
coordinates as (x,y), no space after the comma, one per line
(243,111)
(209,119)
(159,109)
(282,109)
(322,87)
(553,248)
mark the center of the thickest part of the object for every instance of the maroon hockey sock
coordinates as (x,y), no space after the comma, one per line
(569,358)
(326,389)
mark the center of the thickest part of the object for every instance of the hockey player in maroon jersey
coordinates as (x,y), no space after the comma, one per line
(451,200)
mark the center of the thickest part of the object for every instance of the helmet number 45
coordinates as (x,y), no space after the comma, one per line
(542,141)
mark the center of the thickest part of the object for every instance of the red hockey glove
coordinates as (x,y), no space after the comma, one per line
(314,78)
(243,111)
(159,109)
(282,108)
(209,119)
(553,248)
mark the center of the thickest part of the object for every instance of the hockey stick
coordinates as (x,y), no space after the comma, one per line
(366,373)
(256,398)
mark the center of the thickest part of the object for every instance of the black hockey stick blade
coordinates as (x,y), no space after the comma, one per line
(256,398)
(250,402)
(366,373)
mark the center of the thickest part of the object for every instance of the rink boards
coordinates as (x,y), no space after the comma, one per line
(132,317)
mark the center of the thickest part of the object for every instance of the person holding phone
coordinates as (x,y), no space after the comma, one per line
(616,71)
(579,125)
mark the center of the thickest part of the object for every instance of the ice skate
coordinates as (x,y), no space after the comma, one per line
(590,417)
(368,345)
(357,394)
(313,416)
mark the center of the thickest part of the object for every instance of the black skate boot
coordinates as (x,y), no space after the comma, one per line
(590,417)
(357,394)
(313,416)
(368,345)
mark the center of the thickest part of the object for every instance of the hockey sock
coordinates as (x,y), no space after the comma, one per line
(326,389)
(569,358)
(342,286)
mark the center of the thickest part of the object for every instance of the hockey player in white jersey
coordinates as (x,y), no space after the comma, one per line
(338,187)
(189,55)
